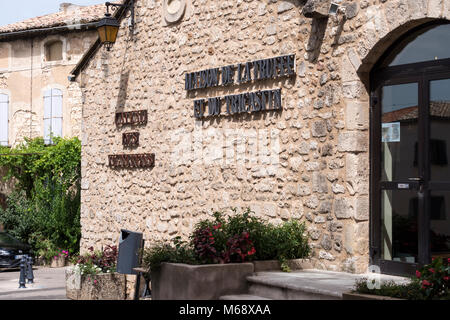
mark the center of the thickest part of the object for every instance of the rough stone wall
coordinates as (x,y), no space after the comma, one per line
(312,160)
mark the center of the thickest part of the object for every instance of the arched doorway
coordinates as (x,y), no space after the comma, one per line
(410,151)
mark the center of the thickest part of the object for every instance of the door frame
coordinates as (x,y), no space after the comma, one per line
(421,73)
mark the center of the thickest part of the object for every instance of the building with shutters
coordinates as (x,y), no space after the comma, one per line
(36,56)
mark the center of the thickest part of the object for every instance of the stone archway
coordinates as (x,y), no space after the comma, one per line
(383,24)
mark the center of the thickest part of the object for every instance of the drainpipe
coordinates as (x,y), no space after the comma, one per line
(31,92)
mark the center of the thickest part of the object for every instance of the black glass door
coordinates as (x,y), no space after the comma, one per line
(400,174)
(439,166)
(410,172)
(410,150)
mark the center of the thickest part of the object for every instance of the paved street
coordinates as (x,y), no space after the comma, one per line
(49,284)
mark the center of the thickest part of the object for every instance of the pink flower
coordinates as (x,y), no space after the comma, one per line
(418,274)
(431,270)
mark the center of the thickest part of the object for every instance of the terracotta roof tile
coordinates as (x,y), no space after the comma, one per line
(438,109)
(73,16)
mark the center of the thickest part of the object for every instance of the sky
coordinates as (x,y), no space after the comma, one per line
(12,11)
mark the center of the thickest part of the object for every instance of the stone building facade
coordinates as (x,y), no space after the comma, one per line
(36,55)
(309,161)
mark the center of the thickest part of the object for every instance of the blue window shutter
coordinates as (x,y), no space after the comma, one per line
(47,116)
(53,114)
(57,112)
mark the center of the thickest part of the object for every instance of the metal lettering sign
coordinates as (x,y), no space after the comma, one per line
(271,68)
(130,140)
(132,118)
(239,103)
(131,161)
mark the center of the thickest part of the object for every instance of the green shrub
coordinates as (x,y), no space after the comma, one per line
(57,215)
(46,250)
(285,241)
(17,218)
(434,279)
(432,282)
(239,238)
(176,252)
(409,291)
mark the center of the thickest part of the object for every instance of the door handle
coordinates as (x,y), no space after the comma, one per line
(420,180)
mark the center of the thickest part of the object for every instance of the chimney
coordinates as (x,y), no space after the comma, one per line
(68,7)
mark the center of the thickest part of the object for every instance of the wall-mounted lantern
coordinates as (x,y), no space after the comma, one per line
(108,27)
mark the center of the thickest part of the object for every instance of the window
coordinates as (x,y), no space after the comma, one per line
(54,51)
(4,104)
(53,100)
(430,43)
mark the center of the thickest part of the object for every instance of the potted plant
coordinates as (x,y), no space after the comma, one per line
(432,282)
(220,254)
(60,259)
(94,277)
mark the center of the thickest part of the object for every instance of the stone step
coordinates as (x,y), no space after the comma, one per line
(301,285)
(242,297)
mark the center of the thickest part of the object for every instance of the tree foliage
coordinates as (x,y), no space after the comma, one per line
(44,209)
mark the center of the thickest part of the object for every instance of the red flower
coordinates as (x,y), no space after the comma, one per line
(431,270)
(418,274)
(252,251)
(425,284)
(446,278)
(217,226)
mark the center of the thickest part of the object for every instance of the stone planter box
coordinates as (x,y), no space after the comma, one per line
(106,286)
(361,296)
(59,262)
(177,281)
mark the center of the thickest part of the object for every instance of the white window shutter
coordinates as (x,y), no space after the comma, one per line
(57,106)
(4,106)
(56,103)
(57,127)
